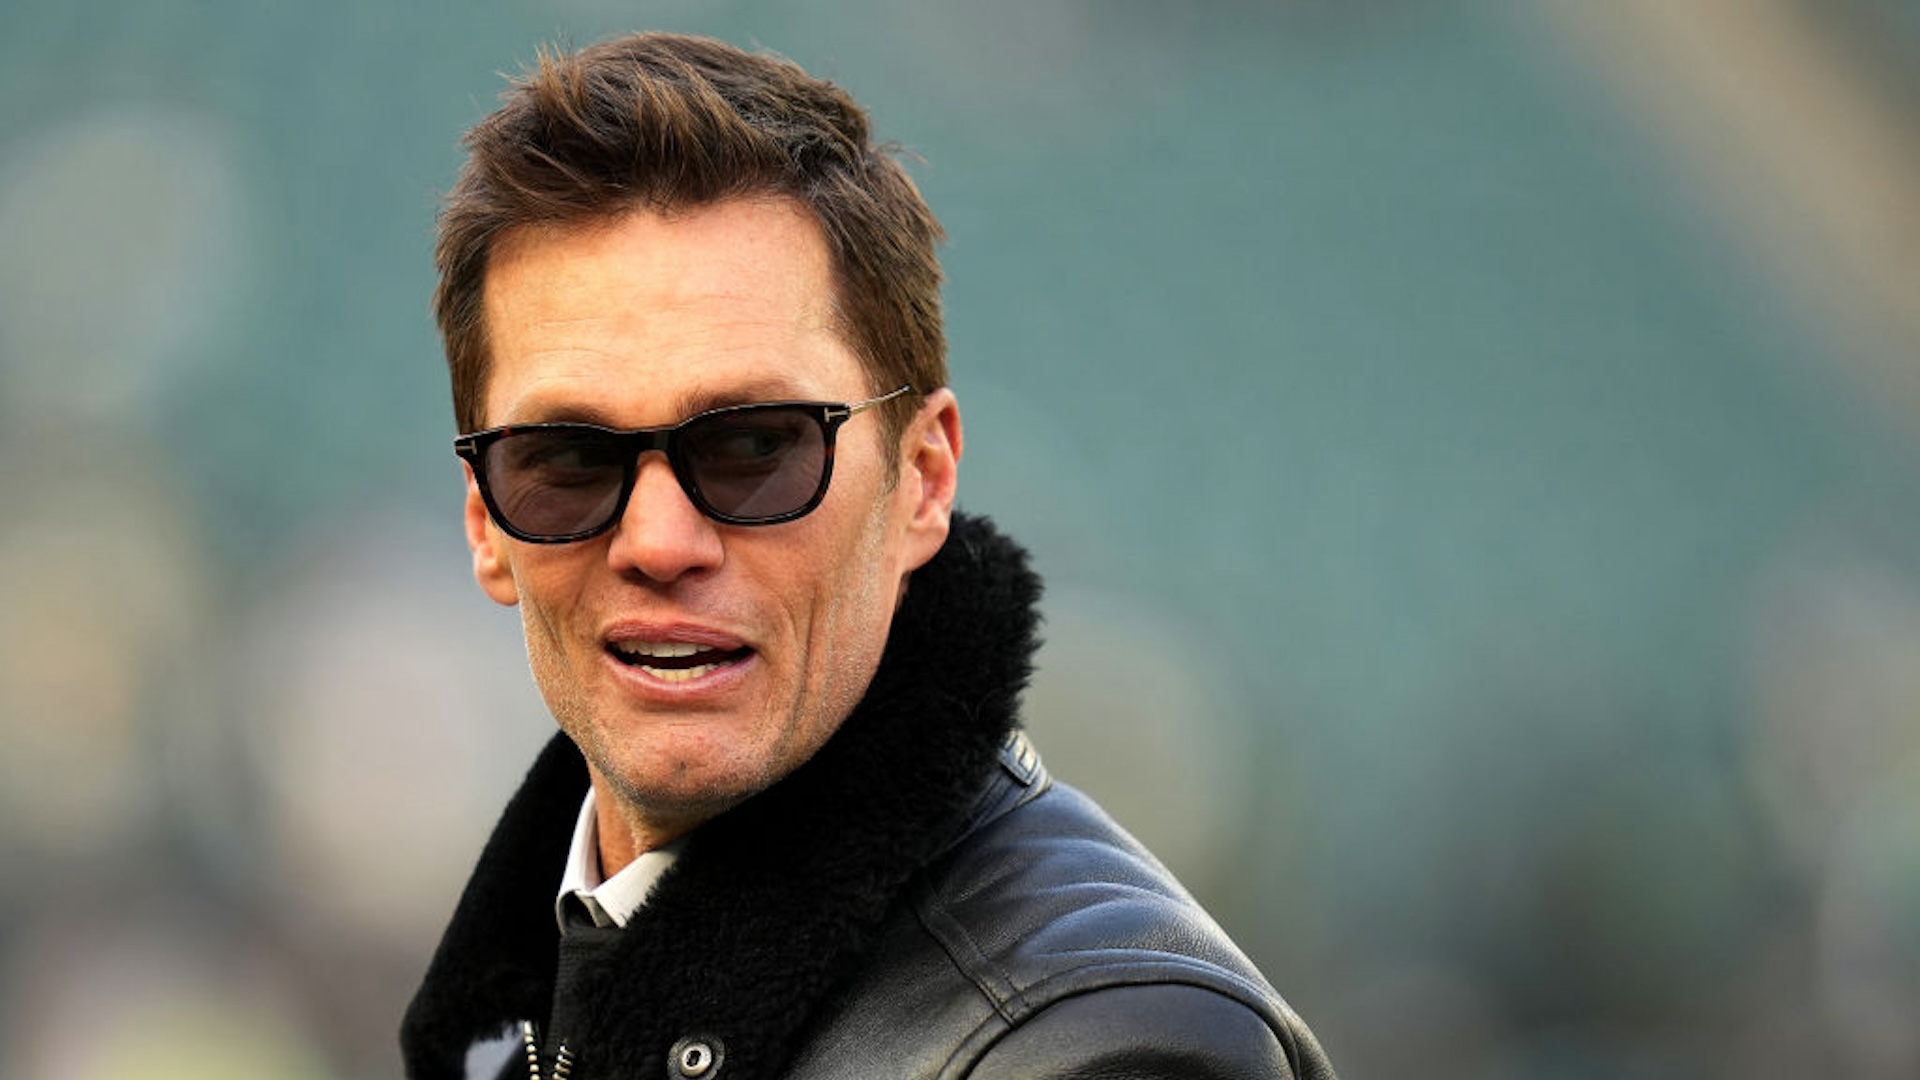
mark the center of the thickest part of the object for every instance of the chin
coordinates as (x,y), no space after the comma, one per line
(690,792)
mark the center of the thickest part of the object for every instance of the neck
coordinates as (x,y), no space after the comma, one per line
(627,832)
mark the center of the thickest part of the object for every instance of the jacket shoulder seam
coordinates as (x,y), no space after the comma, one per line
(1165,970)
(994,982)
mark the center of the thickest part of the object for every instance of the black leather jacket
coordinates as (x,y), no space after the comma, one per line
(918,900)
(1049,944)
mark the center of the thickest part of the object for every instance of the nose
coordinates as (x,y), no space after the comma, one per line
(661,534)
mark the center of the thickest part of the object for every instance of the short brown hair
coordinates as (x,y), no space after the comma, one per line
(665,122)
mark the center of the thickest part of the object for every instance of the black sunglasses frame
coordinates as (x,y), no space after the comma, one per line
(633,442)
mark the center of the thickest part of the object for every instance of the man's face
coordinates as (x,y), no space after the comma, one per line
(644,321)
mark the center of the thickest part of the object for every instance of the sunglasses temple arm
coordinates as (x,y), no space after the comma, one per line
(862,406)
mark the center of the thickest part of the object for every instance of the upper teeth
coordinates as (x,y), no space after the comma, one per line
(658,648)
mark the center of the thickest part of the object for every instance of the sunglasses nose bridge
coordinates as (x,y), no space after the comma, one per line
(648,440)
(665,442)
(632,446)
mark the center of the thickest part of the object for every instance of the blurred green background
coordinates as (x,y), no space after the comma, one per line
(1472,446)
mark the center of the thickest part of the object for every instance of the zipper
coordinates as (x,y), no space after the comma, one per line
(562,1058)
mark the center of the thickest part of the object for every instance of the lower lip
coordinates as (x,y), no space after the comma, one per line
(714,683)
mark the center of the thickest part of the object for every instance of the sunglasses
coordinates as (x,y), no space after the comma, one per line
(743,465)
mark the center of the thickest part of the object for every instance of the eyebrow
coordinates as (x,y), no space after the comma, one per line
(698,400)
(564,413)
(753,392)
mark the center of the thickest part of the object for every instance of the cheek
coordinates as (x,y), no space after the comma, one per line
(547,600)
(855,613)
(544,653)
(557,674)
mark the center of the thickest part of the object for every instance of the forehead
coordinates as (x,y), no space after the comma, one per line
(652,313)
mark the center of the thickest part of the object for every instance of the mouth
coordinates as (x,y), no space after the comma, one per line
(675,661)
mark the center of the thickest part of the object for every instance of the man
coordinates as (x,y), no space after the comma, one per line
(790,827)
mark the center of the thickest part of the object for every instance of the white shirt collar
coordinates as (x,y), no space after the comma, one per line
(611,901)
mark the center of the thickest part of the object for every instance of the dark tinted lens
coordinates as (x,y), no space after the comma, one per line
(758,462)
(554,483)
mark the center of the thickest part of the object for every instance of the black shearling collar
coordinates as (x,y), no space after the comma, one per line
(775,901)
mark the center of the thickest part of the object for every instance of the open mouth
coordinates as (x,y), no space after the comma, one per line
(674,661)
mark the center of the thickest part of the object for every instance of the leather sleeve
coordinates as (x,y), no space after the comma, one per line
(1138,1032)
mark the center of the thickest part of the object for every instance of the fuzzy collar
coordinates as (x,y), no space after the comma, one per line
(775,901)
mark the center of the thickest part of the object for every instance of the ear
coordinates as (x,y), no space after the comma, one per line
(490,566)
(929,474)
